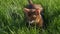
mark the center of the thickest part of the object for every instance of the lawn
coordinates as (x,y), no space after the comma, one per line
(12,18)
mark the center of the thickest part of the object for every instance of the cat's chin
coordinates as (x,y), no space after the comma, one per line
(31,21)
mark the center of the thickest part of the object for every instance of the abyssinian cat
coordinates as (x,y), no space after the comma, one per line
(33,14)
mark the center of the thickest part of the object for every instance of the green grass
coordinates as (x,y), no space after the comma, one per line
(12,17)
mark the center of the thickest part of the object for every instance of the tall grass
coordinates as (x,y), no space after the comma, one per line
(12,17)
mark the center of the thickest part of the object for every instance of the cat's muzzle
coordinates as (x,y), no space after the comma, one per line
(31,21)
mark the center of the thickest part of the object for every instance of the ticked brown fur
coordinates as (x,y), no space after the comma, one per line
(33,14)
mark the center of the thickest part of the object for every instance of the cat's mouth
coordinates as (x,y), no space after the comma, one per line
(31,21)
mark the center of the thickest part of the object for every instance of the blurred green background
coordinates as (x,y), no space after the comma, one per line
(12,19)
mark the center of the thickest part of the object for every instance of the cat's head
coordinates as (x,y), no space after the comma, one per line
(32,14)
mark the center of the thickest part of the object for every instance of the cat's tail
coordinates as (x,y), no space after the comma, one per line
(30,2)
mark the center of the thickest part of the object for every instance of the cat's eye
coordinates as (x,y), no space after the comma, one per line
(34,13)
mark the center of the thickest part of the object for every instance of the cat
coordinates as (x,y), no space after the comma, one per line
(33,14)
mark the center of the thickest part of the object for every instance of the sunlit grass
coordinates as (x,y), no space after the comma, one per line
(12,19)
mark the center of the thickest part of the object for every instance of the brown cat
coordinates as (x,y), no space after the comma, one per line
(33,14)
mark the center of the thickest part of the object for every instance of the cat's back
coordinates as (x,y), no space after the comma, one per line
(37,6)
(34,6)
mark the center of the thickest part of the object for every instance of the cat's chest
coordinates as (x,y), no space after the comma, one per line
(38,18)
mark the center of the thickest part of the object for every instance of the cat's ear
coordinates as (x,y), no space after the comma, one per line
(39,10)
(26,10)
